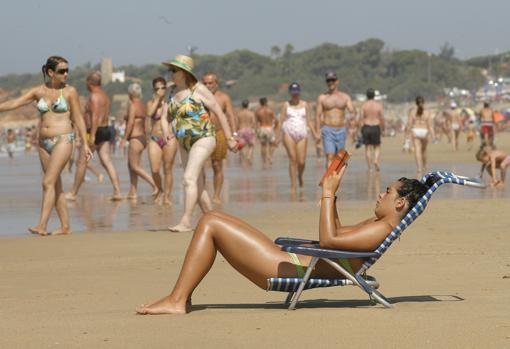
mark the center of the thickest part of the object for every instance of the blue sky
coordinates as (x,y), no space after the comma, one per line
(141,32)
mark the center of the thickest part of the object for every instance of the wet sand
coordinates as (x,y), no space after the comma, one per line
(448,276)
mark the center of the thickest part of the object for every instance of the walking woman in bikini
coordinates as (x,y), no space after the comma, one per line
(258,258)
(135,133)
(420,128)
(59,106)
(162,148)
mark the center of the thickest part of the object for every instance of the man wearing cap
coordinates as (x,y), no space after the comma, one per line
(210,80)
(330,117)
(372,124)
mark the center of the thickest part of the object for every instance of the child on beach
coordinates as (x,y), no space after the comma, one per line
(491,160)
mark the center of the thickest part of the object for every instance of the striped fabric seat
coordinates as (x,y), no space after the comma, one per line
(292,284)
(368,284)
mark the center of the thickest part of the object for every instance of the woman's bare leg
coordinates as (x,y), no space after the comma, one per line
(424,144)
(135,150)
(169,152)
(61,207)
(291,148)
(301,159)
(155,155)
(52,165)
(247,249)
(193,167)
(418,154)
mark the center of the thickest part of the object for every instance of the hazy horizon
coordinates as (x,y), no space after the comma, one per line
(133,34)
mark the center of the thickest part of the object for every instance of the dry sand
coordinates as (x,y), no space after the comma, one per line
(449,277)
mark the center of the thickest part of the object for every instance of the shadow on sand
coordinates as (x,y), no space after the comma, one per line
(326,303)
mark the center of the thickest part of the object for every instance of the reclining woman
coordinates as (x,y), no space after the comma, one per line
(255,256)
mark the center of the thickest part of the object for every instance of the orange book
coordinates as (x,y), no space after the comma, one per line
(338,162)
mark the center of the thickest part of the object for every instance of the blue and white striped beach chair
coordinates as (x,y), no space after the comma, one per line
(295,286)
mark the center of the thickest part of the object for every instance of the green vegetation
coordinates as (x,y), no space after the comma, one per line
(400,74)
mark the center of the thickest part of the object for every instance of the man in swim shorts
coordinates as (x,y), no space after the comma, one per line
(246,122)
(97,111)
(211,81)
(372,124)
(487,128)
(265,120)
(330,118)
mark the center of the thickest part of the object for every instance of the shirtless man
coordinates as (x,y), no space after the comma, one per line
(10,142)
(265,120)
(487,128)
(97,111)
(210,80)
(246,122)
(372,124)
(330,117)
(454,119)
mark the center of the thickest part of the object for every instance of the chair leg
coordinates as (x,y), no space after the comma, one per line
(303,283)
(289,298)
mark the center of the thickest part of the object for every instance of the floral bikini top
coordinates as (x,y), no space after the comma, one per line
(59,106)
(191,120)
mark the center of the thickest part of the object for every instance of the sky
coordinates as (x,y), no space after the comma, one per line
(149,31)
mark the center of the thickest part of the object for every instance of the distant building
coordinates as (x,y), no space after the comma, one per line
(119,76)
(106,70)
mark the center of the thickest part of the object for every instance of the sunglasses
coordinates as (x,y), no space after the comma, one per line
(159,88)
(63,71)
(330,80)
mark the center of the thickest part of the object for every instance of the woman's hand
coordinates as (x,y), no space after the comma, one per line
(332,182)
(88,152)
(232,144)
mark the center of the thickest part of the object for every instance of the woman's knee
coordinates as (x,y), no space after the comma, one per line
(48,183)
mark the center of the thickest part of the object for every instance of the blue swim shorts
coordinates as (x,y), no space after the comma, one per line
(333,139)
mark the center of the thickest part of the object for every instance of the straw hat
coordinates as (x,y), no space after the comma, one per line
(182,62)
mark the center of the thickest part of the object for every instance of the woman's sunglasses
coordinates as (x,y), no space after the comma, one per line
(159,88)
(63,71)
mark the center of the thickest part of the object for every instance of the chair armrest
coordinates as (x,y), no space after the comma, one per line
(284,241)
(327,253)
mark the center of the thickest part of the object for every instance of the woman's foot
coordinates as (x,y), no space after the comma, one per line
(61,231)
(164,306)
(181,228)
(38,231)
(117,197)
(167,202)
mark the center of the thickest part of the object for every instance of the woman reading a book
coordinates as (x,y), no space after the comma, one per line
(255,256)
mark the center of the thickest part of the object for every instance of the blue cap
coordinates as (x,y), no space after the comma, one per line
(294,88)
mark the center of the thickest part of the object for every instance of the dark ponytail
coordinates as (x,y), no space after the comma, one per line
(412,189)
(51,63)
(420,101)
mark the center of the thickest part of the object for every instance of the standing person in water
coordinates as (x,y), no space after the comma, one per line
(487,124)
(421,130)
(162,148)
(247,122)
(265,130)
(10,143)
(189,107)
(372,125)
(97,112)
(332,106)
(211,81)
(455,121)
(295,116)
(59,106)
(135,133)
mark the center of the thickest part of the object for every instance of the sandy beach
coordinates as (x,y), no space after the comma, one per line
(448,277)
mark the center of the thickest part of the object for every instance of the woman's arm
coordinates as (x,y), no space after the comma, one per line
(22,100)
(130,121)
(210,103)
(309,121)
(365,236)
(167,133)
(77,118)
(430,125)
